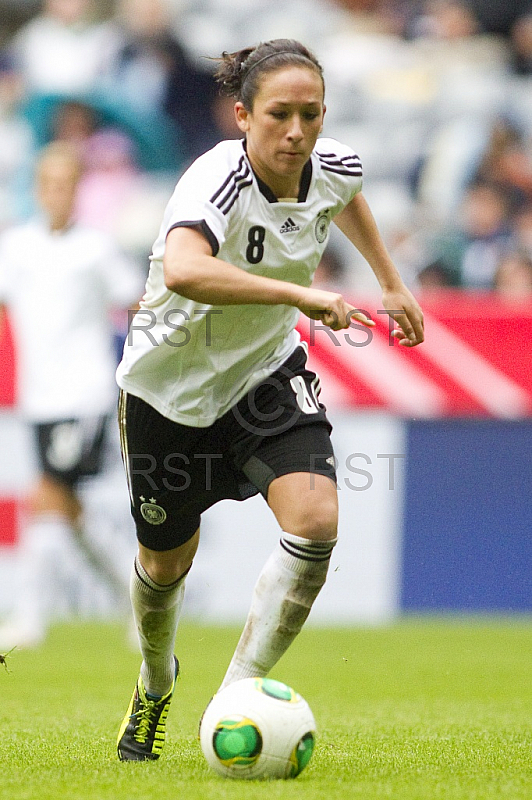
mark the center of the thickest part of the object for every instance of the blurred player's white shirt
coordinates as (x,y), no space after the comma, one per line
(60,288)
(192,361)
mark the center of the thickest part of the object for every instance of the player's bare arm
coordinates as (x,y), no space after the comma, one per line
(191,271)
(357,222)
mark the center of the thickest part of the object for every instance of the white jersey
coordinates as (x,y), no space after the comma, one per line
(59,289)
(192,361)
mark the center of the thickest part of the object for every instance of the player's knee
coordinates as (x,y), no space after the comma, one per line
(317,520)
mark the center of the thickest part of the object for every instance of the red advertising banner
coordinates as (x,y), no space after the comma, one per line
(476,360)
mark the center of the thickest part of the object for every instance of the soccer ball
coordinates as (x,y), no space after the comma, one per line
(257,728)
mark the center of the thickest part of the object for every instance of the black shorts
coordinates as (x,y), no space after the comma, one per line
(175,472)
(71,449)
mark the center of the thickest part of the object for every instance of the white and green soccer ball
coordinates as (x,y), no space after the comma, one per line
(258,728)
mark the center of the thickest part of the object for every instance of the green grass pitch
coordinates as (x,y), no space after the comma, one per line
(420,710)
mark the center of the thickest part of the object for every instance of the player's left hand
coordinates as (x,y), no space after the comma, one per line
(403,307)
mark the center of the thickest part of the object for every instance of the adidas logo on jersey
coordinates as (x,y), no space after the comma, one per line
(289,226)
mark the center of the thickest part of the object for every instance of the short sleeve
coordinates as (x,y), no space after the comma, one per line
(341,167)
(205,193)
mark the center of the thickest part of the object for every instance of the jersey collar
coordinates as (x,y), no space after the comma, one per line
(304,186)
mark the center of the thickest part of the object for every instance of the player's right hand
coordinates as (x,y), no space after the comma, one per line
(331,309)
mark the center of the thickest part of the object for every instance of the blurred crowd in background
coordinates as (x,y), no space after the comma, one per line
(434,95)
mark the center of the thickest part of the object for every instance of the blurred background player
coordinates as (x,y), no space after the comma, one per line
(59,281)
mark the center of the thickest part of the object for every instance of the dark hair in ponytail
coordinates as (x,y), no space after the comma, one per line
(239,73)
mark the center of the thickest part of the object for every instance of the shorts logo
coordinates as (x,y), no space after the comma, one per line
(65,447)
(151,512)
(321,228)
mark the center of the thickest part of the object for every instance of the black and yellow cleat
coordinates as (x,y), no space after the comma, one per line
(142,733)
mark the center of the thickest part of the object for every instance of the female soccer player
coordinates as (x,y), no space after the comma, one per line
(216,400)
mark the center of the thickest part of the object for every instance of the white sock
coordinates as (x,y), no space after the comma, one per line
(156,610)
(43,565)
(289,583)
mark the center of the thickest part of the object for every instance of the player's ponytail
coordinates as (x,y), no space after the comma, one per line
(239,73)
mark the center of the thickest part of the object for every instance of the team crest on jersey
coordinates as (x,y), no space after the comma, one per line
(151,512)
(322,226)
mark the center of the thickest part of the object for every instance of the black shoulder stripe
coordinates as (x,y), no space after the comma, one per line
(227,180)
(228,192)
(234,198)
(233,190)
(352,172)
(335,157)
(232,187)
(345,165)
